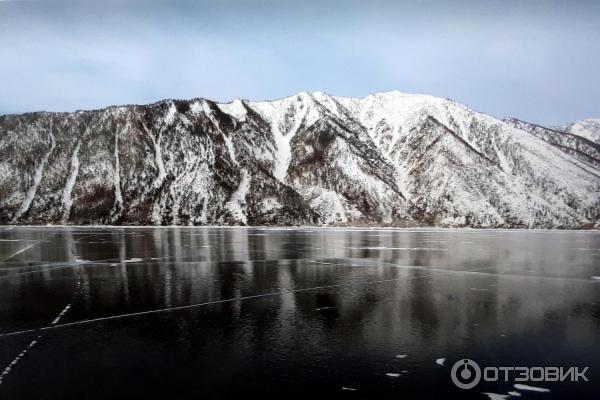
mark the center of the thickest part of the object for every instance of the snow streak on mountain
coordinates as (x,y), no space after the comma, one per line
(387,159)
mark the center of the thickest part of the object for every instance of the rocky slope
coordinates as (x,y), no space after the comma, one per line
(386,159)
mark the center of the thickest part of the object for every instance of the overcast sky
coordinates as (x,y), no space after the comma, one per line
(535,60)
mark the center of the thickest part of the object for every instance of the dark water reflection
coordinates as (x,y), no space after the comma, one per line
(335,308)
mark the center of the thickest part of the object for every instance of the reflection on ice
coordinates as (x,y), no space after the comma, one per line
(334,306)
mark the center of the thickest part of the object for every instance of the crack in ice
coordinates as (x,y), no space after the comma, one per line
(230,300)
(7,370)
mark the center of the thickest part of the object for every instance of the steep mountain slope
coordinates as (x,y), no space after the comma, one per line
(389,158)
(463,167)
(169,163)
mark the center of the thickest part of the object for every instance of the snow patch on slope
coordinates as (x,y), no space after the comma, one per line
(117,176)
(37,178)
(236,109)
(230,148)
(66,198)
(170,115)
(285,117)
(237,203)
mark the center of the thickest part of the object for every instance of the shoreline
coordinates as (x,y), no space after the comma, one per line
(301,227)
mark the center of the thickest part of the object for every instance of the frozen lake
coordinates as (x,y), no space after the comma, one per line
(196,313)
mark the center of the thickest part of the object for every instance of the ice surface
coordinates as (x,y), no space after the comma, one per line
(397,248)
(16,360)
(22,250)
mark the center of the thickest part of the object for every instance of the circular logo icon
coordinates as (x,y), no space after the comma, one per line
(465,374)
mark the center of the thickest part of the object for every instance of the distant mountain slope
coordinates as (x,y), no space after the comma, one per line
(577,146)
(587,128)
(386,159)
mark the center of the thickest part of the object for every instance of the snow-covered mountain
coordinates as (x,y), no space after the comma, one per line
(386,159)
(579,147)
(587,128)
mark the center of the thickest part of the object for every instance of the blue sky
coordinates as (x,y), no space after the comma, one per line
(535,60)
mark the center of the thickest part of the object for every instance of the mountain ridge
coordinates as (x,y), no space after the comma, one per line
(389,158)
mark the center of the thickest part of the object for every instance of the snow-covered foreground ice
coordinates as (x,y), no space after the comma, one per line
(288,313)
